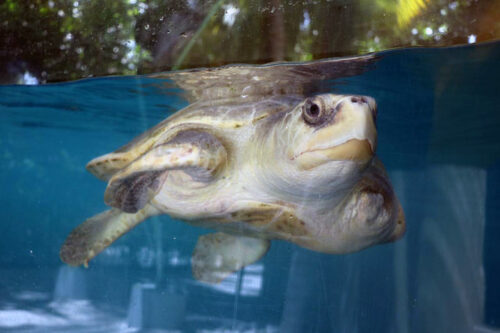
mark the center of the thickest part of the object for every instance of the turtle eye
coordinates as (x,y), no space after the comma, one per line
(311,112)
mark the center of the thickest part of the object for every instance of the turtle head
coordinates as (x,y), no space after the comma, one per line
(332,127)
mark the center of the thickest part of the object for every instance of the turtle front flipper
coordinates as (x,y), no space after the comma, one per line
(105,166)
(219,254)
(98,232)
(197,153)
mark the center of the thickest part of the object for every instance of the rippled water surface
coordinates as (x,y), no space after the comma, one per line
(438,123)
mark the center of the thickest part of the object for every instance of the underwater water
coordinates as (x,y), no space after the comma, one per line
(439,138)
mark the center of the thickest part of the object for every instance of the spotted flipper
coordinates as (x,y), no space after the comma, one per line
(219,254)
(98,232)
(197,153)
(105,166)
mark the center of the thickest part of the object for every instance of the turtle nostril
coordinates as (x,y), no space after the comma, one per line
(359,99)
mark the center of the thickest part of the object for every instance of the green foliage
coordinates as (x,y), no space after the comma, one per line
(63,40)
(59,40)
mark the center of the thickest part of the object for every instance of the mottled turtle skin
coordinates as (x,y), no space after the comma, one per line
(269,161)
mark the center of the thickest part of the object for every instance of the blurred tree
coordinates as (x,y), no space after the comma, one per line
(62,39)
(57,40)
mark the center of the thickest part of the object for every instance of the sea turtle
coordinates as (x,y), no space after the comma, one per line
(261,153)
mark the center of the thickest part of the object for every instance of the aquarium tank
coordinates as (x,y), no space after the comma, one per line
(79,79)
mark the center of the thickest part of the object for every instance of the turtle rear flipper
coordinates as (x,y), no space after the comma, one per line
(217,255)
(98,232)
